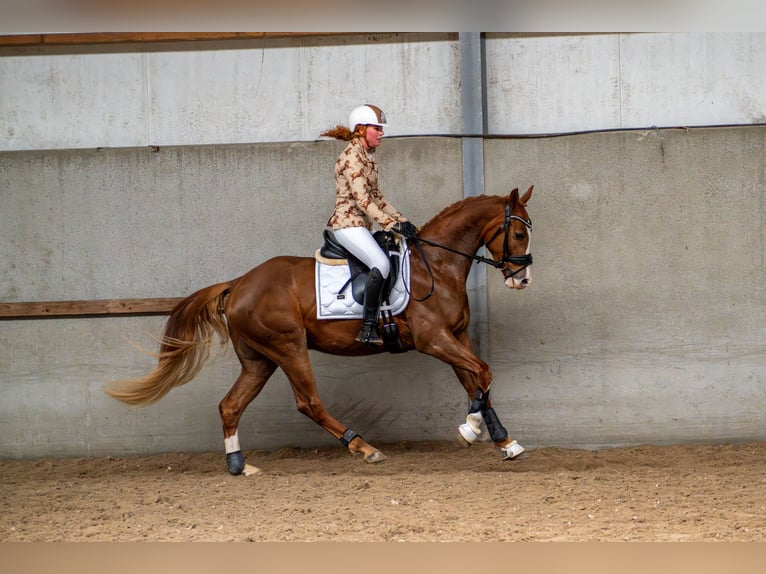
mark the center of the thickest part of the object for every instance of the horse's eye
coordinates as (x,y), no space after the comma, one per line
(519,236)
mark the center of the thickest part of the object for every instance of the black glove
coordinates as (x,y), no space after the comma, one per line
(405,228)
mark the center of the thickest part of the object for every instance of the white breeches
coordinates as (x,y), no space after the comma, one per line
(359,241)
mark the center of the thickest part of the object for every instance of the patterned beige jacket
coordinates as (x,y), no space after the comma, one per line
(358,200)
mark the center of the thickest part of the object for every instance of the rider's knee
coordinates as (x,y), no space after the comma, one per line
(384,267)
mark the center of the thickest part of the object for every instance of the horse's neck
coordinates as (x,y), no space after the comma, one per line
(460,227)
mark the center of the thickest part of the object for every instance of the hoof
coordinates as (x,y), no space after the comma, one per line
(466,435)
(376,456)
(460,439)
(513,450)
(250,470)
(235,462)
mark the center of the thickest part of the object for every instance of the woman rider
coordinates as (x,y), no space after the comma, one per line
(359,202)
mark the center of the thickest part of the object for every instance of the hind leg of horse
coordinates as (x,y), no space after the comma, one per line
(255,373)
(299,372)
(476,378)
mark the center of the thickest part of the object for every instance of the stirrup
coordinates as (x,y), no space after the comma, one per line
(369,335)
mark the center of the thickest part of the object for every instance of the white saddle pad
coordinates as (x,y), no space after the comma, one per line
(331,275)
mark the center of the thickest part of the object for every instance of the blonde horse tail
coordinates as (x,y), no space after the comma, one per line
(184,347)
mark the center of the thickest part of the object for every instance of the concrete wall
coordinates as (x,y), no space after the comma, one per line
(556,84)
(647,316)
(644,322)
(240,91)
(291,90)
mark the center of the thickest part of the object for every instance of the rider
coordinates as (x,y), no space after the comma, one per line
(359,202)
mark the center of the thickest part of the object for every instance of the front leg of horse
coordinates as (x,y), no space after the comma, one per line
(470,430)
(476,378)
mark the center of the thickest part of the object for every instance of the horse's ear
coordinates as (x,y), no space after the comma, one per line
(514,197)
(527,195)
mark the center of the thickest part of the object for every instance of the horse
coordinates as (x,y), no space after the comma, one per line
(269,315)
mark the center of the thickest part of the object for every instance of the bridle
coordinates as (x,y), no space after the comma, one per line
(523,260)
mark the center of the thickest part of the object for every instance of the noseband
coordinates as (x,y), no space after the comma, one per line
(523,260)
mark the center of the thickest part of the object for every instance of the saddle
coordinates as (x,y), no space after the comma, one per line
(358,271)
(333,253)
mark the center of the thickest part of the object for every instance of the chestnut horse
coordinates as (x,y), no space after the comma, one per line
(270,316)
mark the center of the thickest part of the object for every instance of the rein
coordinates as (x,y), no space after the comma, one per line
(524,260)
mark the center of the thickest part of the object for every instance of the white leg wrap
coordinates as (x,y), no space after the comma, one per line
(471,428)
(232,443)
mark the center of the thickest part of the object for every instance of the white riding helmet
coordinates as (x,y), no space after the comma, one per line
(366,115)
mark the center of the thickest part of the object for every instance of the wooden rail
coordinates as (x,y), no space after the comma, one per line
(36,310)
(130,37)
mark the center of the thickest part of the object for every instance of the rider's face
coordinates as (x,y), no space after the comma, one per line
(372,136)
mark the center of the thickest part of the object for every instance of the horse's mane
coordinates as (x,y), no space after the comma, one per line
(449,211)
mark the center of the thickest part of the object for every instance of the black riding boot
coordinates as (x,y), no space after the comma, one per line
(373,294)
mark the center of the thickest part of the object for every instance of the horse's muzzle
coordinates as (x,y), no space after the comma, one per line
(519,281)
